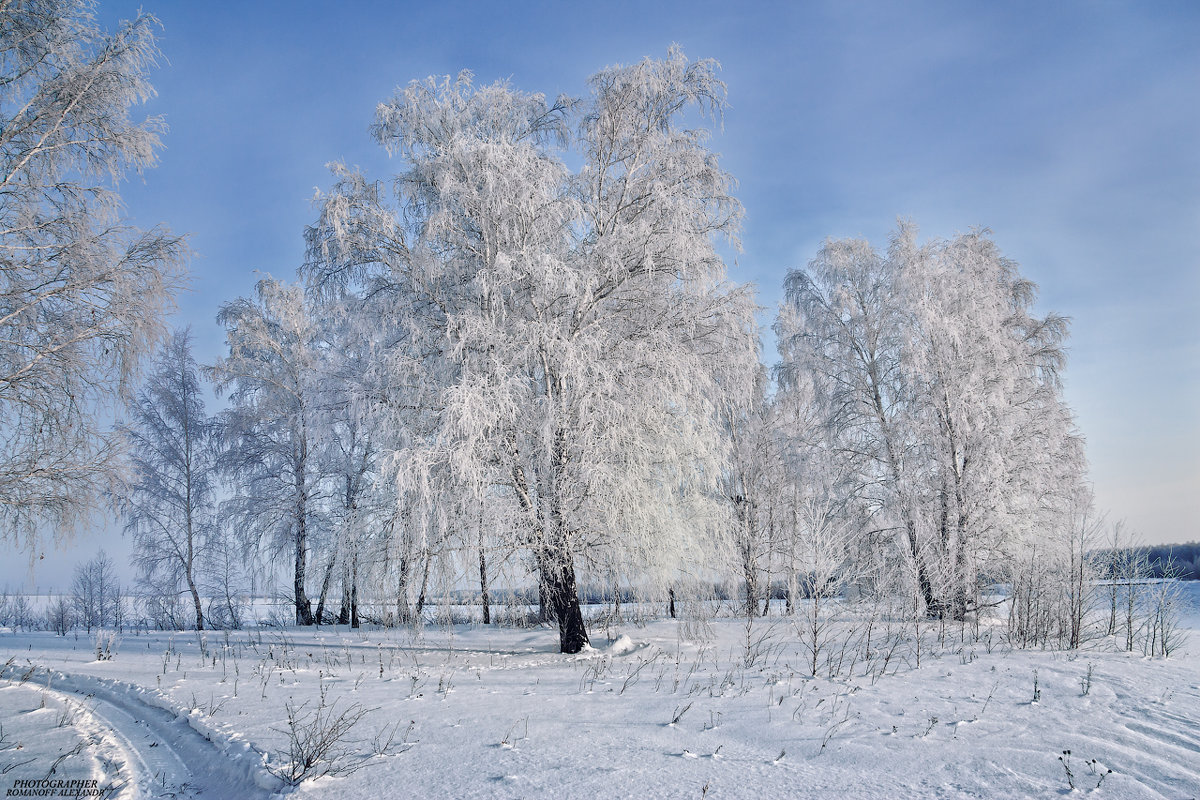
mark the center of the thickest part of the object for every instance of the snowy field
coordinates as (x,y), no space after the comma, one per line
(474,711)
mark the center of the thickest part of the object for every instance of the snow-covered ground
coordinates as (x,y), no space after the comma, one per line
(473,711)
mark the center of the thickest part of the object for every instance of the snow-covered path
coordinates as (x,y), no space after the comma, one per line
(163,755)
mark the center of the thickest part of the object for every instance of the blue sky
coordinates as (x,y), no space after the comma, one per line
(1071,129)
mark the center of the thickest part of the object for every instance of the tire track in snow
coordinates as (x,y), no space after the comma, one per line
(166,756)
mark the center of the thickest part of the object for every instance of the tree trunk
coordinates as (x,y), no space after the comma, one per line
(934,608)
(766,606)
(189,566)
(483,588)
(792,593)
(960,599)
(343,617)
(671,602)
(960,590)
(564,600)
(326,582)
(750,577)
(354,622)
(1113,595)
(196,602)
(424,582)
(303,604)
(741,507)
(483,578)
(402,611)
(234,621)
(557,590)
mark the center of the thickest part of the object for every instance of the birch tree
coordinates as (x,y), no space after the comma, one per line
(1003,454)
(816,511)
(941,391)
(750,483)
(82,295)
(575,329)
(270,450)
(843,323)
(96,593)
(171,506)
(349,451)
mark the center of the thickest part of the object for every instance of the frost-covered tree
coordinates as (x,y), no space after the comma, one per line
(352,469)
(751,482)
(567,337)
(987,401)
(171,504)
(844,326)
(820,537)
(60,616)
(82,295)
(270,430)
(357,496)
(940,390)
(225,577)
(96,593)
(392,328)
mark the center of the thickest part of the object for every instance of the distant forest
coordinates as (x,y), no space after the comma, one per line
(1180,561)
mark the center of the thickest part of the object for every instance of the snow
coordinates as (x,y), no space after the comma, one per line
(476,711)
(48,736)
(133,743)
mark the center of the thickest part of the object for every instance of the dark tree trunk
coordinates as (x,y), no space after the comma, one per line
(348,613)
(962,589)
(934,607)
(424,583)
(483,576)
(304,614)
(196,602)
(303,604)
(742,511)
(343,617)
(326,582)
(483,589)
(751,606)
(671,602)
(945,552)
(564,600)
(557,591)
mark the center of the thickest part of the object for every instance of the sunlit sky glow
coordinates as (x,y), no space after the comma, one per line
(1072,130)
